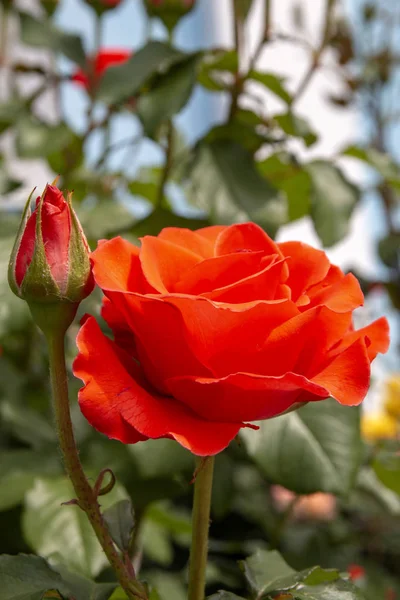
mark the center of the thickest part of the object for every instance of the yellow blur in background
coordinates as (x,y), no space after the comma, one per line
(384,424)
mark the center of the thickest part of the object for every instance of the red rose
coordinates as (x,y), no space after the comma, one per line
(50,259)
(99,64)
(356,572)
(216,328)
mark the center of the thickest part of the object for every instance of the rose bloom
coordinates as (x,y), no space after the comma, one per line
(214,329)
(101,62)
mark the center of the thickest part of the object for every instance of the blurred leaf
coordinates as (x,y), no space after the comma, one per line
(10,111)
(70,156)
(161,218)
(145,189)
(26,577)
(371,496)
(104,217)
(35,139)
(18,471)
(82,588)
(27,425)
(274,84)
(222,595)
(314,449)
(168,95)
(380,161)
(226,184)
(223,488)
(124,81)
(284,172)
(63,531)
(333,199)
(161,525)
(386,465)
(120,521)
(119,594)
(168,585)
(239,132)
(161,458)
(214,69)
(296,127)
(7,184)
(389,250)
(43,34)
(14,313)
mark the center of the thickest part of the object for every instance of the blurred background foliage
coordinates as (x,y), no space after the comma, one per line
(312,484)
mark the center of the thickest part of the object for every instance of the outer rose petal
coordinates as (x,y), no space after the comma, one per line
(307,266)
(118,405)
(342,296)
(186,238)
(116,266)
(245,237)
(123,334)
(164,263)
(244,396)
(211,233)
(301,343)
(347,376)
(376,336)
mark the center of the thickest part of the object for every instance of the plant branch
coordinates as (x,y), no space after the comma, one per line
(200,526)
(317,54)
(86,496)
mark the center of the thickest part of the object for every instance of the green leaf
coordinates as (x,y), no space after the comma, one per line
(380,161)
(63,531)
(168,95)
(145,189)
(10,111)
(28,425)
(18,471)
(215,67)
(43,34)
(168,585)
(296,126)
(389,250)
(333,199)
(82,588)
(314,449)
(105,217)
(226,184)
(160,218)
(223,595)
(14,313)
(35,139)
(339,590)
(386,465)
(124,81)
(267,572)
(25,577)
(7,184)
(120,522)
(284,172)
(223,486)
(274,84)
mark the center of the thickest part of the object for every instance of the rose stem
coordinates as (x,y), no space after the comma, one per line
(86,497)
(200,526)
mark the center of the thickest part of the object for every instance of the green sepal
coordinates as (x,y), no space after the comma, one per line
(53,317)
(79,276)
(11,265)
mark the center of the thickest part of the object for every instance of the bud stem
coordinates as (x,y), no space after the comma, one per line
(200,526)
(85,494)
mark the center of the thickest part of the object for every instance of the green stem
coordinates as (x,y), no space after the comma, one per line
(86,497)
(169,150)
(200,526)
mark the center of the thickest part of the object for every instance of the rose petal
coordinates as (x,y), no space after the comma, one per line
(199,244)
(264,285)
(347,376)
(376,336)
(217,272)
(342,296)
(211,233)
(116,266)
(245,237)
(244,396)
(307,266)
(123,334)
(116,403)
(164,263)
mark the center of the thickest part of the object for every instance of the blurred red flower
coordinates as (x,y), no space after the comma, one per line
(98,65)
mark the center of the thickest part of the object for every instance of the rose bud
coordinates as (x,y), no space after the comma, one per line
(101,6)
(49,265)
(169,11)
(98,65)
